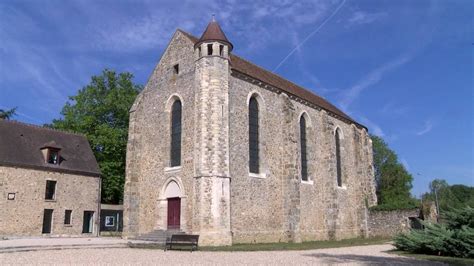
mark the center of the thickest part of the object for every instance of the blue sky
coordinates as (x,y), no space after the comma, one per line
(402,68)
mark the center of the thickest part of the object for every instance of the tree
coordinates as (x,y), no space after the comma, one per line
(455,196)
(7,114)
(100,111)
(393,182)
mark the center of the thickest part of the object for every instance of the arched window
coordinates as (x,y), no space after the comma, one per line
(254,160)
(304,159)
(175,152)
(338,157)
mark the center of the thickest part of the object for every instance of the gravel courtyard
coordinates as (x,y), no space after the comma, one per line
(349,255)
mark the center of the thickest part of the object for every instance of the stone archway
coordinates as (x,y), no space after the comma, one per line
(171,206)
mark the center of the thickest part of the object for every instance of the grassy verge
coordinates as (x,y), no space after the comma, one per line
(299,246)
(443,259)
(283,246)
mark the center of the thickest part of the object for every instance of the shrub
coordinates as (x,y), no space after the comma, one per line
(455,237)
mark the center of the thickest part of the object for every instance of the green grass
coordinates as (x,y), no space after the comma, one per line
(299,246)
(443,259)
(283,246)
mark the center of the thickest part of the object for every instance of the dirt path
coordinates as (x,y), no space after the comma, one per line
(349,255)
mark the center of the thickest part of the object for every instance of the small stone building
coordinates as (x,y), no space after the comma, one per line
(49,182)
(223,148)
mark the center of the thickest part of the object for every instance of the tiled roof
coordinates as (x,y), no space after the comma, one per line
(21,144)
(247,68)
(214,32)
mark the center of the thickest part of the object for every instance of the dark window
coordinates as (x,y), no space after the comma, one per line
(199,51)
(50,190)
(176,134)
(221,50)
(67,217)
(53,156)
(176,69)
(254,160)
(338,158)
(304,160)
(209,49)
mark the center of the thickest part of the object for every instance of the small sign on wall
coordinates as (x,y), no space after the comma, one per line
(109,221)
(11,196)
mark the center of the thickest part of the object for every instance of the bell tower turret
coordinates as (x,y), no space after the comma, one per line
(213,42)
(212,177)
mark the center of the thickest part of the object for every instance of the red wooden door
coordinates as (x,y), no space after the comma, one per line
(174,213)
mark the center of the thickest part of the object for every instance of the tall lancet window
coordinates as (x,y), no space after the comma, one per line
(176,134)
(337,136)
(254,160)
(304,158)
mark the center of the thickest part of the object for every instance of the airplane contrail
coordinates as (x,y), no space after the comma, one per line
(309,36)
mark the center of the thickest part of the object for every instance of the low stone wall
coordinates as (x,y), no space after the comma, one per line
(390,223)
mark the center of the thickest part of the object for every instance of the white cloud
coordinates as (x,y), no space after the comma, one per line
(390,108)
(373,127)
(370,79)
(427,127)
(362,17)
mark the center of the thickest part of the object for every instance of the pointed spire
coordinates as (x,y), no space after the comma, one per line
(214,32)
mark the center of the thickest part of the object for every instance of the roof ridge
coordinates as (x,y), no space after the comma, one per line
(44,128)
(324,104)
(273,73)
(243,59)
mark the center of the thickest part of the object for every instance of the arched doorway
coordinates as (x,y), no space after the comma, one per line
(173,198)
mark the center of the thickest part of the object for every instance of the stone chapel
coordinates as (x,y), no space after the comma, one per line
(223,148)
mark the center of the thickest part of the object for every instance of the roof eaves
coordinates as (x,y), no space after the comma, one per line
(50,169)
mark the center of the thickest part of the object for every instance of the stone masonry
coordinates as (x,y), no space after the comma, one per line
(220,200)
(50,182)
(23,216)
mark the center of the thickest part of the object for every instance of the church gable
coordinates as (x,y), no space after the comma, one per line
(207,117)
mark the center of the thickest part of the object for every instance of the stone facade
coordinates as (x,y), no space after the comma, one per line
(220,199)
(23,216)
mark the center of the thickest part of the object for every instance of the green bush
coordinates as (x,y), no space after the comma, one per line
(399,206)
(454,237)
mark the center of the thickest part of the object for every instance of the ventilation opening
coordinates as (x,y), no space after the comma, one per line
(221,50)
(209,49)
(176,69)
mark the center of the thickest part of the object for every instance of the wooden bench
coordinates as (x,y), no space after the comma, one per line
(182,240)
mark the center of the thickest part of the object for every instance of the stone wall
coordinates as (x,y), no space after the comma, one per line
(276,205)
(148,171)
(390,223)
(23,216)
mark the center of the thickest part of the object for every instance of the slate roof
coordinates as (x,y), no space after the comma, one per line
(21,144)
(247,68)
